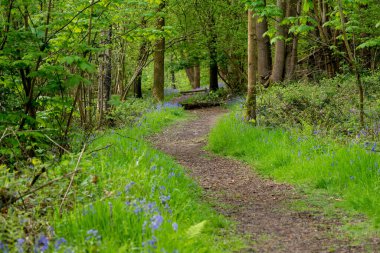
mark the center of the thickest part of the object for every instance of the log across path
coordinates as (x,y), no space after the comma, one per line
(260,207)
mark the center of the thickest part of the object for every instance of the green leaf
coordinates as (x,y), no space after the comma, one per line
(195,230)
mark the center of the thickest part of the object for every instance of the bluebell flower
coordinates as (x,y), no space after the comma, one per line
(138,210)
(171,174)
(59,242)
(175,226)
(164,199)
(152,243)
(374,147)
(42,244)
(156,222)
(93,234)
(129,186)
(3,247)
(20,245)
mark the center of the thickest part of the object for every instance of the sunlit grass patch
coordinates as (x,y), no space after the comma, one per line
(305,159)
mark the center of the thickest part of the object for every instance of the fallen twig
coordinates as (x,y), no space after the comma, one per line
(50,139)
(99,149)
(71,180)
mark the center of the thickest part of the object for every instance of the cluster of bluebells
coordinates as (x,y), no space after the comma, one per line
(167,105)
(154,219)
(93,236)
(41,244)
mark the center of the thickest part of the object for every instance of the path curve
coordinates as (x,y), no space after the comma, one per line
(259,206)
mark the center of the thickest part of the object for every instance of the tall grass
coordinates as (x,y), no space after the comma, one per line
(350,172)
(132,198)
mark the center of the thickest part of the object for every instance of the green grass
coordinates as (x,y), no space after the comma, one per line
(141,200)
(348,174)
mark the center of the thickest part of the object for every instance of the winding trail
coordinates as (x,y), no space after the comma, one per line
(259,206)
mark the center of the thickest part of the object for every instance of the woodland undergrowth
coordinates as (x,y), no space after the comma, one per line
(116,195)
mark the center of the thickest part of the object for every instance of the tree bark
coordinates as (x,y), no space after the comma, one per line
(159,61)
(280,49)
(105,79)
(190,75)
(252,68)
(213,57)
(197,76)
(292,10)
(263,51)
(138,82)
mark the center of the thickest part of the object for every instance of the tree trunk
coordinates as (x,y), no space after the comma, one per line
(213,65)
(213,57)
(292,10)
(138,82)
(252,68)
(280,49)
(190,76)
(105,79)
(197,76)
(159,61)
(263,51)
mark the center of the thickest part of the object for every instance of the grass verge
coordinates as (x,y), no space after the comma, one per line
(348,174)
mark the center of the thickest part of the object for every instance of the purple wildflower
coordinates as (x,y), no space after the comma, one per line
(59,242)
(20,245)
(175,226)
(156,222)
(164,199)
(129,186)
(3,247)
(374,147)
(93,234)
(42,244)
(171,174)
(151,243)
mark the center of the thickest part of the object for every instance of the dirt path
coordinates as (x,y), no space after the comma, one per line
(260,207)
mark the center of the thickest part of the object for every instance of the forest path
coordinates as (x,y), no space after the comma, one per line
(260,207)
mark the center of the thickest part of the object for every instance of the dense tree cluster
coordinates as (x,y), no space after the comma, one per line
(61,62)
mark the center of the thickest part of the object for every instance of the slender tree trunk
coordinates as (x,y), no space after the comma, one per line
(105,79)
(263,51)
(197,76)
(213,57)
(252,69)
(140,60)
(292,10)
(213,64)
(138,82)
(190,76)
(280,49)
(159,61)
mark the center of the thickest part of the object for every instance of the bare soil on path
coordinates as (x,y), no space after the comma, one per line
(259,206)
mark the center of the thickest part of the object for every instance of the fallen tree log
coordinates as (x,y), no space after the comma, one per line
(199,105)
(194,91)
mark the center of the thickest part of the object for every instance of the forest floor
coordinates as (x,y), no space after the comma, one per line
(261,208)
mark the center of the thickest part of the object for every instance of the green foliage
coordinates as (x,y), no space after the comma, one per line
(328,106)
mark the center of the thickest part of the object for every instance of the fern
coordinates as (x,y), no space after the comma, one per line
(195,230)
